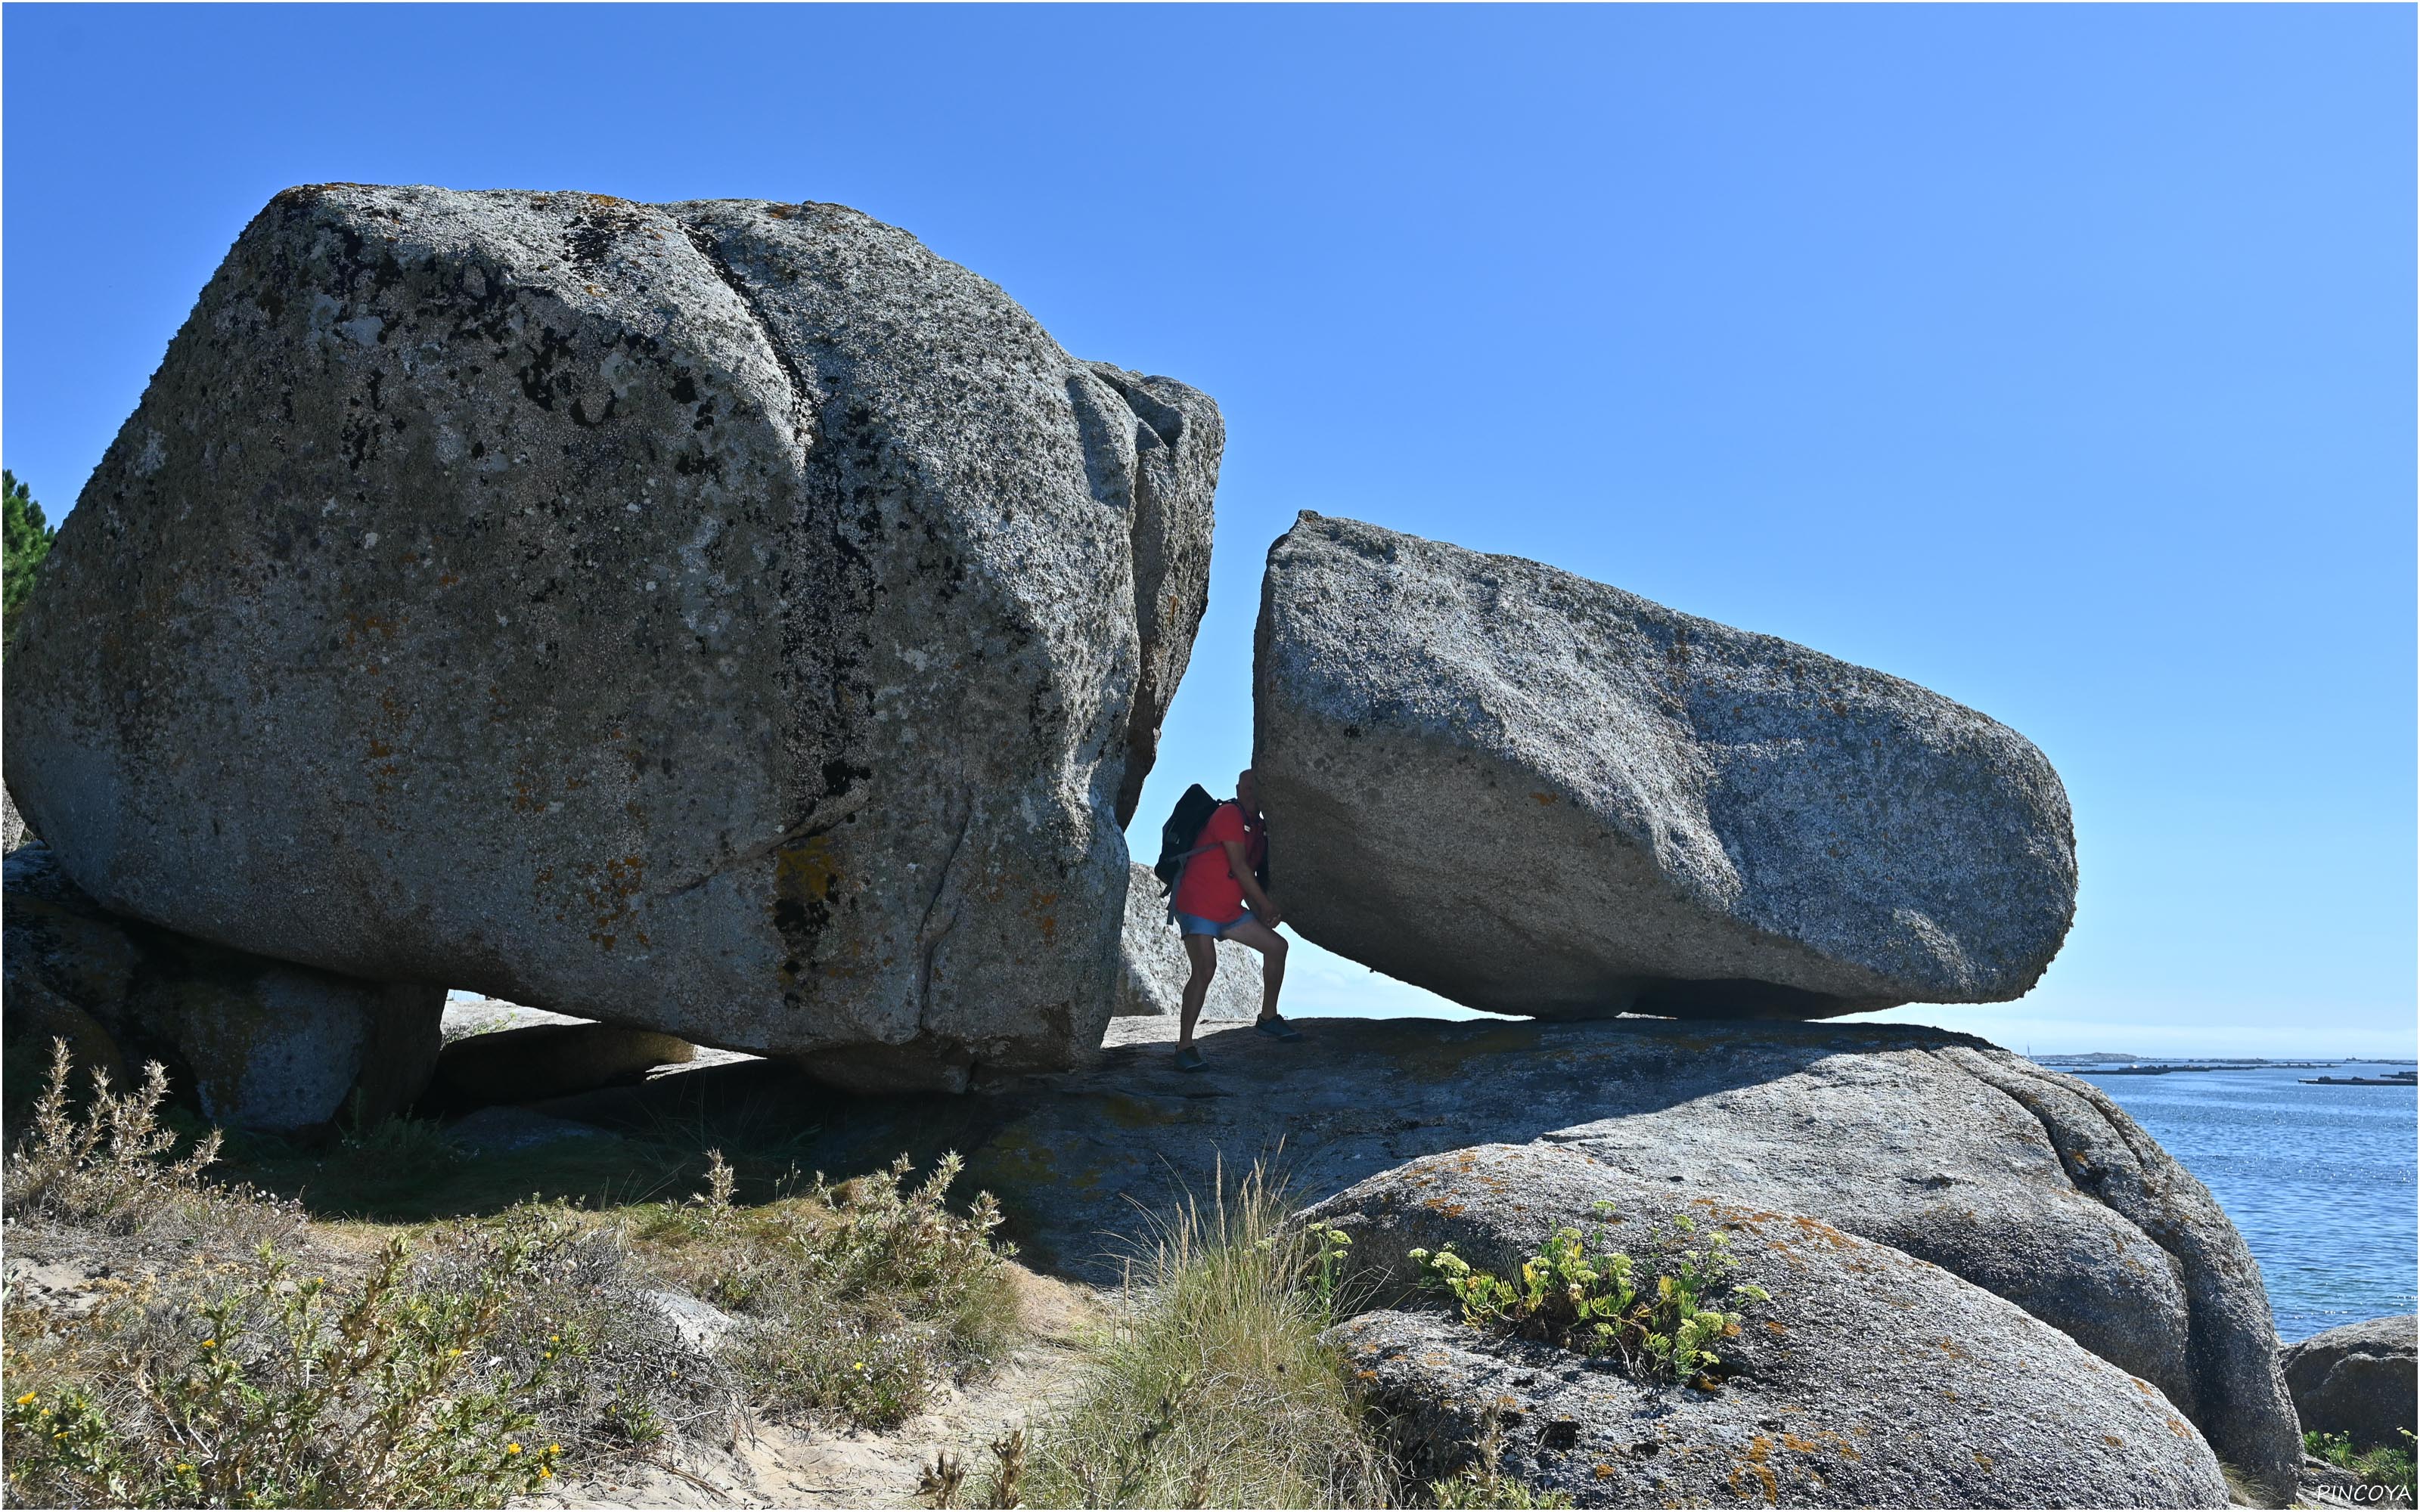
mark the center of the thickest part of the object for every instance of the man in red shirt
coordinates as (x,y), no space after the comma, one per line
(1211,894)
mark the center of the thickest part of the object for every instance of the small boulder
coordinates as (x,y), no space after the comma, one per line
(543,1060)
(1868,1379)
(2359,1381)
(1153,967)
(260,1044)
(1626,807)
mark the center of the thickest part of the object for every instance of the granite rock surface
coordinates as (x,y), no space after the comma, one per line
(2359,1379)
(260,1044)
(725,618)
(1630,807)
(2027,1183)
(1866,1378)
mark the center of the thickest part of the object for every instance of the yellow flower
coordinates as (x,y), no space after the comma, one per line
(554,1448)
(452,1355)
(27,1397)
(554,1338)
(860,1366)
(182,1469)
(210,1344)
(544,1474)
(512,1448)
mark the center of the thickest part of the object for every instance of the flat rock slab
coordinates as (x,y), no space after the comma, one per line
(498,1131)
(2362,1380)
(1627,805)
(1866,1379)
(725,618)
(2026,1183)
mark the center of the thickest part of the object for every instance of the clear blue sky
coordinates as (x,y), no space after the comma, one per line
(2059,358)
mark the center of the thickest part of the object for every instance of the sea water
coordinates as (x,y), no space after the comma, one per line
(2320,1180)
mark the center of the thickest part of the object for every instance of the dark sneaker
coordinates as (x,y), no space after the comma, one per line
(1275,1028)
(1189,1058)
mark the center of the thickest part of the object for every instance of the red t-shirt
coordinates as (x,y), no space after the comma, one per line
(1208,890)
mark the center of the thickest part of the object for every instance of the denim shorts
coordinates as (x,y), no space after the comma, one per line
(1196,924)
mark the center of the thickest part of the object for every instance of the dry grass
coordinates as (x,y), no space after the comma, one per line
(1213,1389)
(859,1298)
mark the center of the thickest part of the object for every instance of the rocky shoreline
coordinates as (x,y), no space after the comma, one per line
(743,634)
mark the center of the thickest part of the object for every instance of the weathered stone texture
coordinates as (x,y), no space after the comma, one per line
(1539,795)
(2362,1380)
(1869,1378)
(726,618)
(260,1044)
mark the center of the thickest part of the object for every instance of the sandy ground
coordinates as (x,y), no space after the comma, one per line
(783,1466)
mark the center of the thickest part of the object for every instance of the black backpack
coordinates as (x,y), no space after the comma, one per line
(1177,836)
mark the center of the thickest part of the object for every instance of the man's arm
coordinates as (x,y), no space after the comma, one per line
(1240,868)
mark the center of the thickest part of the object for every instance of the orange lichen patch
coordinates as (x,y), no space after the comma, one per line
(1950,1347)
(1451,1210)
(2113,1440)
(1754,1466)
(1605,1472)
(2140,1384)
(1981,1459)
(1542,798)
(609,886)
(2179,1428)
(1818,1229)
(1951,1394)
(1037,909)
(1365,1375)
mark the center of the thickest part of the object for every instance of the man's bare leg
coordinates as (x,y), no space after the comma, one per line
(1202,951)
(1272,947)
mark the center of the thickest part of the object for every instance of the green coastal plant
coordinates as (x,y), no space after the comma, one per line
(391,1390)
(2387,1467)
(1596,1300)
(862,1296)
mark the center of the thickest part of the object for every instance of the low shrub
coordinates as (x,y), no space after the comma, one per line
(1213,1389)
(454,1371)
(1596,1300)
(2387,1467)
(864,1295)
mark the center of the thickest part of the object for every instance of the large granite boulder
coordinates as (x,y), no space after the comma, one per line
(2027,1183)
(258,1043)
(725,618)
(1866,1378)
(1152,967)
(12,824)
(1629,806)
(2359,1380)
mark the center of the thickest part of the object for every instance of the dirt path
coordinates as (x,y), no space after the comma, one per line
(795,1467)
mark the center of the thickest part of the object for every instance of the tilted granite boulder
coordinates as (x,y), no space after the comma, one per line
(1865,1378)
(1630,808)
(2027,1183)
(725,618)
(2361,1379)
(12,824)
(1153,969)
(259,1045)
